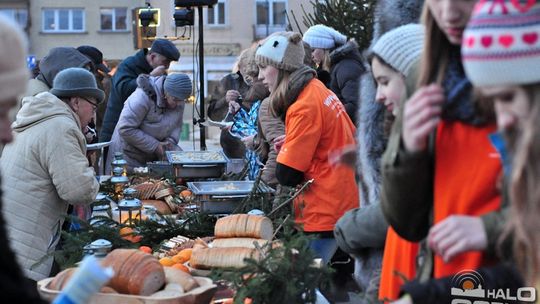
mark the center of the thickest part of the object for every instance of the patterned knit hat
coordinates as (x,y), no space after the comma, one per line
(323,37)
(401,47)
(501,44)
(283,50)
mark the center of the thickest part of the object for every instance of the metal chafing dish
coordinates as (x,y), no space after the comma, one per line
(223,196)
(197,164)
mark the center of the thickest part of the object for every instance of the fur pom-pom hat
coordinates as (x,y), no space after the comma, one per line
(283,50)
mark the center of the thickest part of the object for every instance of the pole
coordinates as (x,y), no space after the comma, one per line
(202,128)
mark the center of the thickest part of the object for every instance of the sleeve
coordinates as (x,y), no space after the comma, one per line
(302,134)
(360,229)
(406,188)
(133,114)
(494,225)
(348,84)
(288,176)
(126,83)
(74,180)
(174,137)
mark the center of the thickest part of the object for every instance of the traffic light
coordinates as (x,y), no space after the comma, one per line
(183,17)
(190,3)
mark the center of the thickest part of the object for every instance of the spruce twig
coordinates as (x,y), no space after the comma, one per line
(286,202)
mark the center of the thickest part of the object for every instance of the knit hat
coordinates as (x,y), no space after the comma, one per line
(401,47)
(95,55)
(76,82)
(283,50)
(166,48)
(13,72)
(178,85)
(501,44)
(323,37)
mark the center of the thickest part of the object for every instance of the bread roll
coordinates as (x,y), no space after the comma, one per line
(244,225)
(61,279)
(177,276)
(161,206)
(238,242)
(232,257)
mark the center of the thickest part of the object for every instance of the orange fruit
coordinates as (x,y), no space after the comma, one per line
(181,266)
(127,234)
(125,231)
(184,255)
(176,259)
(145,249)
(186,193)
(166,261)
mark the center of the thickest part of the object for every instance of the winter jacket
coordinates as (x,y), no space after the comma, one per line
(144,122)
(44,170)
(124,82)
(58,59)
(345,71)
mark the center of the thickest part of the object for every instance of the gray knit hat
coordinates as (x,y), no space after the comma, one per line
(283,50)
(323,37)
(76,82)
(401,47)
(178,85)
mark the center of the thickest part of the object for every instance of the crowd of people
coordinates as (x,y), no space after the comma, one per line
(419,151)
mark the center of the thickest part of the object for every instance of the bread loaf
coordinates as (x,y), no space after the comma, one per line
(244,225)
(161,206)
(239,242)
(177,276)
(135,272)
(221,257)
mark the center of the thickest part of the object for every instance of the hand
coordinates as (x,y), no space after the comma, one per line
(278,142)
(421,116)
(457,234)
(158,71)
(406,299)
(248,141)
(160,150)
(345,156)
(234,107)
(232,95)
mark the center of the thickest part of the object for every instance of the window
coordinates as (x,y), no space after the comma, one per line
(271,12)
(20,15)
(114,19)
(216,14)
(63,20)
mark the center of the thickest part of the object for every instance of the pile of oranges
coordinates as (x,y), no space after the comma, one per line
(128,233)
(178,260)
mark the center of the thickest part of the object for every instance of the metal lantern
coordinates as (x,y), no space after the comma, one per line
(98,248)
(129,208)
(119,182)
(119,162)
(101,207)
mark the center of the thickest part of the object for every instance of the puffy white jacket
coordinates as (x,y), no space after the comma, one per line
(44,169)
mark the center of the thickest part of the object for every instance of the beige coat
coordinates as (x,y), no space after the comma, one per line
(44,169)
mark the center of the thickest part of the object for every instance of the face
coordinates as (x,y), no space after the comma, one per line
(158,59)
(269,77)
(451,16)
(173,102)
(317,55)
(86,109)
(6,134)
(511,106)
(391,88)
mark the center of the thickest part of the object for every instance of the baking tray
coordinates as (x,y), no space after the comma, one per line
(196,157)
(225,187)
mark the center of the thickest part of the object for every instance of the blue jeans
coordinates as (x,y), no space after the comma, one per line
(324,248)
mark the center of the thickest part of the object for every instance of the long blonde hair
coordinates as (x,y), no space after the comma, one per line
(525,193)
(326,63)
(278,98)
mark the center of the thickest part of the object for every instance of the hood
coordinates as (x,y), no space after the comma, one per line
(153,88)
(58,59)
(347,51)
(40,108)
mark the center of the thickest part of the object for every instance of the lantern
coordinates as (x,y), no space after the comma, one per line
(98,248)
(101,207)
(119,182)
(129,208)
(119,162)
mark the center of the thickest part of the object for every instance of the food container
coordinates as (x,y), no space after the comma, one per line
(219,197)
(160,168)
(197,164)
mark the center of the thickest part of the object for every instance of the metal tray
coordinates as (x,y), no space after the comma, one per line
(225,188)
(196,157)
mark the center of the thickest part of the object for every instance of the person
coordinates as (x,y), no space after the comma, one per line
(13,82)
(315,123)
(45,168)
(445,188)
(393,58)
(56,60)
(124,82)
(333,53)
(151,121)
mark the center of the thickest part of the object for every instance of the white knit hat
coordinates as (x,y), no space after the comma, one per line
(14,74)
(283,50)
(501,44)
(401,47)
(323,37)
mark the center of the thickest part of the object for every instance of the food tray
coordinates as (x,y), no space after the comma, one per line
(225,187)
(196,157)
(202,294)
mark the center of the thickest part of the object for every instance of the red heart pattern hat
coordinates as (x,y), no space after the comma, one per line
(501,44)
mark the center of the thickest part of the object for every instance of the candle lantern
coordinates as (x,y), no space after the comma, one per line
(119,182)
(98,248)
(129,208)
(119,162)
(101,207)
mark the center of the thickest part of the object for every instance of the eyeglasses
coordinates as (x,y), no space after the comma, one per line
(94,105)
